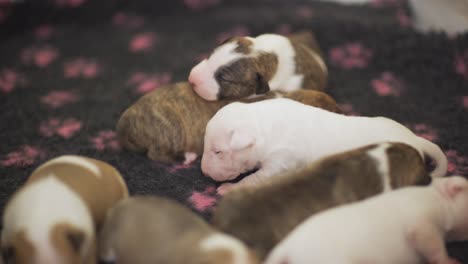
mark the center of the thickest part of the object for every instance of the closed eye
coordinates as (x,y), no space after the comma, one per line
(217,152)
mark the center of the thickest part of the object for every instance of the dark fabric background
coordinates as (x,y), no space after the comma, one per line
(68,68)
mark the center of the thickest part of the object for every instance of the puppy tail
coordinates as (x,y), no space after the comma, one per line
(435,153)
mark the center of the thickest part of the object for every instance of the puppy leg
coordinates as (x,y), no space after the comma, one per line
(190,157)
(428,241)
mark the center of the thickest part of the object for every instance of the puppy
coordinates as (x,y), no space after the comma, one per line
(169,124)
(450,16)
(409,225)
(52,218)
(280,134)
(156,230)
(289,199)
(245,66)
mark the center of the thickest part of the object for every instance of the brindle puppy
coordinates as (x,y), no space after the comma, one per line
(245,66)
(262,215)
(169,124)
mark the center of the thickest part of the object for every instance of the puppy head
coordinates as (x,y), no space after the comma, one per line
(230,143)
(232,71)
(455,190)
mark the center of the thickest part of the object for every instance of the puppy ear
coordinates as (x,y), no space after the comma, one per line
(226,40)
(76,239)
(241,139)
(262,85)
(453,186)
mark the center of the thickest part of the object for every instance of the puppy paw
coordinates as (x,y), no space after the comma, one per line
(225,188)
(190,157)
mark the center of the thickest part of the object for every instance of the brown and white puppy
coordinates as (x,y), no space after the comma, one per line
(245,66)
(262,215)
(169,123)
(409,225)
(145,229)
(52,218)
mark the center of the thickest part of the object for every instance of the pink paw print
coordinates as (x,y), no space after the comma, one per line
(142,42)
(352,55)
(69,3)
(461,64)
(203,201)
(23,157)
(200,4)
(39,56)
(237,31)
(457,163)
(64,128)
(106,139)
(146,83)
(403,18)
(86,68)
(387,85)
(127,21)
(348,109)
(56,99)
(305,12)
(425,131)
(10,79)
(383,3)
(3,15)
(464,100)
(44,31)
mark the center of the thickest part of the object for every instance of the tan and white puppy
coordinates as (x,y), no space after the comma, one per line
(409,225)
(145,229)
(246,66)
(291,198)
(169,123)
(280,134)
(52,218)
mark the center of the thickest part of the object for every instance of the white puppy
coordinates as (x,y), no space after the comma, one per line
(408,225)
(280,134)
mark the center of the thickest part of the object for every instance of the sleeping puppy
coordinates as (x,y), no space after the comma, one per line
(52,218)
(277,135)
(245,66)
(409,225)
(169,124)
(157,230)
(289,199)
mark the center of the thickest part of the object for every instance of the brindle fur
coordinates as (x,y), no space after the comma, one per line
(170,121)
(145,229)
(263,215)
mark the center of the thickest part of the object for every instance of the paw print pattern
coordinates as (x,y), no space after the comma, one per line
(351,55)
(203,201)
(10,79)
(127,21)
(425,131)
(387,85)
(44,31)
(64,128)
(39,56)
(464,101)
(145,83)
(25,156)
(200,4)
(105,140)
(143,42)
(461,64)
(458,164)
(56,99)
(86,68)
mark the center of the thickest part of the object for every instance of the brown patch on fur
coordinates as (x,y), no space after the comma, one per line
(267,64)
(308,39)
(237,79)
(98,192)
(315,98)
(60,238)
(315,77)
(400,153)
(289,199)
(144,229)
(244,46)
(18,249)
(171,120)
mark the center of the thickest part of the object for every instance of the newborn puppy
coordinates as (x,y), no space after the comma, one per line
(156,230)
(52,218)
(409,225)
(280,134)
(169,123)
(289,199)
(245,66)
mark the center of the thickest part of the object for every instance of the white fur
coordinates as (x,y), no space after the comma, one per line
(74,160)
(289,135)
(39,206)
(403,226)
(450,16)
(380,155)
(221,241)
